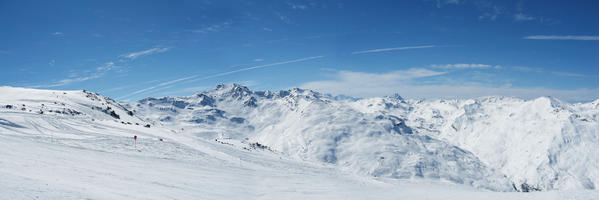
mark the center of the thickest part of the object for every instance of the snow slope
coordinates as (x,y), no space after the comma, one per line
(233,143)
(543,143)
(71,104)
(497,143)
(38,168)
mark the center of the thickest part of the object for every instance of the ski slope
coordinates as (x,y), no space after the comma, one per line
(61,155)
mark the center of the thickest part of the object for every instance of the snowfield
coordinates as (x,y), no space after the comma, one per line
(234,143)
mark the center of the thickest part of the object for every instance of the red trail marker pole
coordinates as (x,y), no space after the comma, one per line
(135,141)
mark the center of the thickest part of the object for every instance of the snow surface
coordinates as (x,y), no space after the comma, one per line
(233,143)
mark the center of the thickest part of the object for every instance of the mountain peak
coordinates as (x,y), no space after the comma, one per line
(231,87)
(549,101)
(233,90)
(304,92)
(396,96)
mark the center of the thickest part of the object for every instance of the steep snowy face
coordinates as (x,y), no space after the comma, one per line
(539,144)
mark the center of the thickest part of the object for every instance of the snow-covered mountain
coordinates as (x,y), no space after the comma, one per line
(497,143)
(75,104)
(79,143)
(542,143)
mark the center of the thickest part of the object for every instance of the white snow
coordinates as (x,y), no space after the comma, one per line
(210,146)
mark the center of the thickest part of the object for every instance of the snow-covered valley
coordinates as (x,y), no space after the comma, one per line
(233,143)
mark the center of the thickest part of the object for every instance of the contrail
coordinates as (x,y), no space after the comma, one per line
(194,77)
(562,37)
(393,49)
(257,67)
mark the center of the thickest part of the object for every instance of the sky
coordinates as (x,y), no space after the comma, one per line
(419,49)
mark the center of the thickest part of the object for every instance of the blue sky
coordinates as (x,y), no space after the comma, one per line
(429,49)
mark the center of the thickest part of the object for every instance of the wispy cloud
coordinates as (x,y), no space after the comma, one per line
(295,6)
(526,69)
(113,89)
(158,86)
(57,34)
(492,14)
(493,10)
(98,72)
(197,77)
(186,90)
(362,84)
(489,10)
(393,49)
(260,66)
(212,28)
(403,82)
(135,55)
(441,3)
(282,17)
(74,78)
(67,81)
(568,74)
(465,66)
(107,67)
(562,37)
(523,17)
